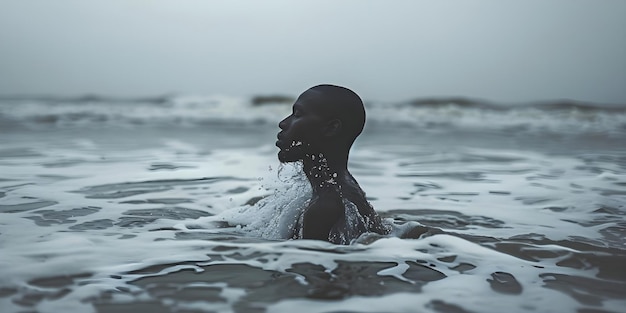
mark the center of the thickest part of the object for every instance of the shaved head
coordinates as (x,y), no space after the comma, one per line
(336,102)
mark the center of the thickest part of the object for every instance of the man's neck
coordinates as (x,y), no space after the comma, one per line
(325,172)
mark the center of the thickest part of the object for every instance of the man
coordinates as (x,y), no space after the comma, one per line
(325,121)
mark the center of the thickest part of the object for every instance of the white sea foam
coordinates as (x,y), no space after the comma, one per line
(275,215)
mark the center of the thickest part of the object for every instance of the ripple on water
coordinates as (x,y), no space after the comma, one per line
(133,221)
(53,217)
(64,163)
(123,190)
(93,225)
(22,207)
(173,213)
(473,176)
(160,201)
(11,153)
(443,219)
(167,166)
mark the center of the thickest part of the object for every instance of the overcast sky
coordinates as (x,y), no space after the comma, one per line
(510,51)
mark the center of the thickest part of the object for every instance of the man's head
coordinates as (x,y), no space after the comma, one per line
(324,118)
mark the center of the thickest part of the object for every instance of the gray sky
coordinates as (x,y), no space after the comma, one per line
(510,51)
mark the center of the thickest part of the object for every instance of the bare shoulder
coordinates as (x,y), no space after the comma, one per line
(355,195)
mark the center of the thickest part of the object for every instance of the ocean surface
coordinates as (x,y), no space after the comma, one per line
(178,204)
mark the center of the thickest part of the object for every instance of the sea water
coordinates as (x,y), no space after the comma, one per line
(178,204)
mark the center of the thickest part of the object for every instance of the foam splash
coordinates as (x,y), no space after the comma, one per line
(275,215)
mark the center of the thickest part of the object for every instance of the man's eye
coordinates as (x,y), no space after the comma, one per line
(297,114)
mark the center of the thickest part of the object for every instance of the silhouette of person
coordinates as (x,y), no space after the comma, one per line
(320,131)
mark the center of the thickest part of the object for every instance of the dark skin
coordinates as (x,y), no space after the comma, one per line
(316,135)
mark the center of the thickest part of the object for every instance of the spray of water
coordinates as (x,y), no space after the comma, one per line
(276,215)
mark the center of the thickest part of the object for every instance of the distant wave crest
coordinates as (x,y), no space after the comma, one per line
(193,111)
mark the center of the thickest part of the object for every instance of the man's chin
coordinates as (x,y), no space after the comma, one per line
(286,157)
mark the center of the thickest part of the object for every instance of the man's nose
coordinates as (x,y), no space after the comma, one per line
(283,123)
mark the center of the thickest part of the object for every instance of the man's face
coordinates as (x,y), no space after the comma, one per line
(301,131)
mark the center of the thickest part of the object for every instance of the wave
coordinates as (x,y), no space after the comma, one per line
(555,105)
(191,111)
(563,116)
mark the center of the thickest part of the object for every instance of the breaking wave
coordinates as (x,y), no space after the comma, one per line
(196,111)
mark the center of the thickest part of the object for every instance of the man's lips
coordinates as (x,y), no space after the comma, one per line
(280,142)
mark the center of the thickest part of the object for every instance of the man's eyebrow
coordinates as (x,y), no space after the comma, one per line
(299,107)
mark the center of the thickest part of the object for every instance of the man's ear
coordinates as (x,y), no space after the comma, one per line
(332,128)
